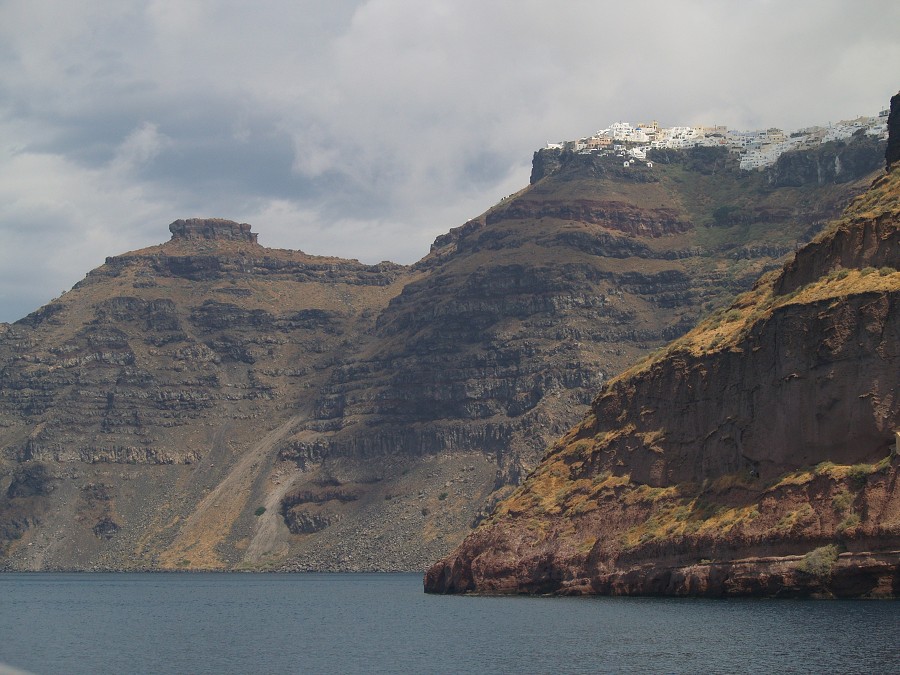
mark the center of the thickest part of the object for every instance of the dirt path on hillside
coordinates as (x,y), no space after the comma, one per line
(212,520)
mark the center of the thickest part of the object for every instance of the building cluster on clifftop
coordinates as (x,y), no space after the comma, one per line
(756,149)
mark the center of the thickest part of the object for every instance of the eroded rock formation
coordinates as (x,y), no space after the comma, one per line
(756,455)
(211,385)
(212,228)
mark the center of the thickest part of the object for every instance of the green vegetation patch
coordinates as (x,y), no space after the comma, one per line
(820,561)
(841,501)
(848,523)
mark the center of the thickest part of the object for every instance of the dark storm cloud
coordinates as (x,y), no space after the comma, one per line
(366,128)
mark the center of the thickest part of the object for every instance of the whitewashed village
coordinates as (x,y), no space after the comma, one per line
(757,149)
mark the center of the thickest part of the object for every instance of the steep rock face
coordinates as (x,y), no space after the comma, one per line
(862,241)
(211,385)
(519,315)
(212,228)
(809,377)
(97,375)
(834,162)
(892,154)
(757,456)
(169,375)
(614,216)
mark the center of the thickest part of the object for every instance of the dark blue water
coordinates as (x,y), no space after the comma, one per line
(378,623)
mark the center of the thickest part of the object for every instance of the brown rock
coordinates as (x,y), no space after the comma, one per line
(212,228)
(754,457)
(210,380)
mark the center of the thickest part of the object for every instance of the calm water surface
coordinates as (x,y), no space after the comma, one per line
(380,623)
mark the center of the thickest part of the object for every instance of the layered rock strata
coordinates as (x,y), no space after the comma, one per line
(212,228)
(757,455)
(211,403)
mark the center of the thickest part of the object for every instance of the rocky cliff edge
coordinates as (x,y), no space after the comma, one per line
(757,455)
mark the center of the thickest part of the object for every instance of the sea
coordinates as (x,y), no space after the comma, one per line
(384,623)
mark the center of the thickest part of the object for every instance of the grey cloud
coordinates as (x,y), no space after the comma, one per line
(366,128)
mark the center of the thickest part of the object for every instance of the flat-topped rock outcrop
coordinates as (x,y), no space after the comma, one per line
(212,228)
(245,407)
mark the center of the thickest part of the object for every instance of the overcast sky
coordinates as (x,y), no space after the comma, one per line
(364,129)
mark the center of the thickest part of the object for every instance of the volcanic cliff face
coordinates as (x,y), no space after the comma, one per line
(756,455)
(518,316)
(210,403)
(151,397)
(892,154)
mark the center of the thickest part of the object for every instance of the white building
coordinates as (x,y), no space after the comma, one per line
(757,148)
(620,130)
(640,152)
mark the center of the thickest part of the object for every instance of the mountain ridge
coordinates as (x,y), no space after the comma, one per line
(755,455)
(209,403)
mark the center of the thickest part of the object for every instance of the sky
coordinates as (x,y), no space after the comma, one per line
(366,128)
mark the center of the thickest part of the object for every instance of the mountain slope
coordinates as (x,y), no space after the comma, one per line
(149,382)
(210,403)
(521,314)
(756,455)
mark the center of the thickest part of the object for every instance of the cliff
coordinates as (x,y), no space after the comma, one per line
(756,455)
(892,154)
(210,403)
